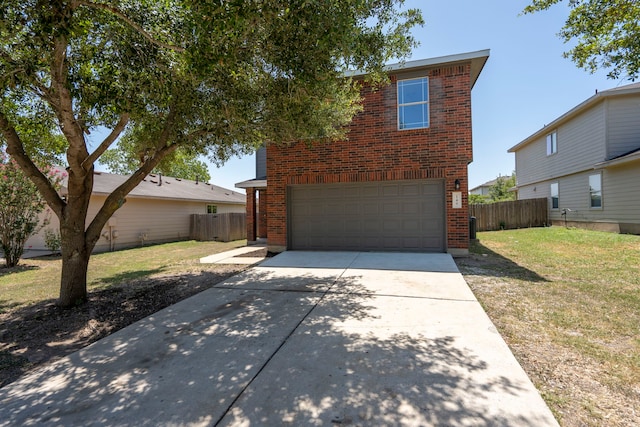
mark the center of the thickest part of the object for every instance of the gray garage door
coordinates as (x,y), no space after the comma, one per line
(389,215)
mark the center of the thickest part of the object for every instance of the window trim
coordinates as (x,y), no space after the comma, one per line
(552,143)
(215,209)
(557,195)
(599,175)
(408,104)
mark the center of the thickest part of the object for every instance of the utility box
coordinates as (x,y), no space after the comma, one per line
(472,227)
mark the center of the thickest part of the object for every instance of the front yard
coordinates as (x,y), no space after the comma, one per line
(124,286)
(567,301)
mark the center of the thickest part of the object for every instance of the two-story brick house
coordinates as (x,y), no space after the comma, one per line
(399,183)
(587,163)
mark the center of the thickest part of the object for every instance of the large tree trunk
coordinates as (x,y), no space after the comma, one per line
(76,242)
(75,263)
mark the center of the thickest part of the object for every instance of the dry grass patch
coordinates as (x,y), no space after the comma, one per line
(567,302)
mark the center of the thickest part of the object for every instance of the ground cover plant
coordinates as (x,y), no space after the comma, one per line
(124,286)
(567,301)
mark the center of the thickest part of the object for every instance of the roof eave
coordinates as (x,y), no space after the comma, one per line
(578,109)
(146,196)
(619,161)
(477,58)
(252,183)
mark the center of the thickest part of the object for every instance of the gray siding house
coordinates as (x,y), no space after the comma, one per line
(587,163)
(483,189)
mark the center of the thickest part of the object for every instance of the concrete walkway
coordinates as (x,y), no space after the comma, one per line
(306,338)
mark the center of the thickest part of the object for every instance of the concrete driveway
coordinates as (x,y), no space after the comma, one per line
(306,338)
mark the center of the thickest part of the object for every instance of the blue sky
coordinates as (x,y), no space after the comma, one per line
(525,84)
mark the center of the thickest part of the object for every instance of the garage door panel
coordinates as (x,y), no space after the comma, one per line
(398,215)
(369,191)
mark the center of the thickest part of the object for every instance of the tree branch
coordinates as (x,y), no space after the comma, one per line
(117,197)
(16,149)
(117,12)
(106,143)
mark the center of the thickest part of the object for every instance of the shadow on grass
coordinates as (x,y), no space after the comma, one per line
(124,278)
(5,271)
(482,261)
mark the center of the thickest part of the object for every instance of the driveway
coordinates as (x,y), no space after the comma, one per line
(306,338)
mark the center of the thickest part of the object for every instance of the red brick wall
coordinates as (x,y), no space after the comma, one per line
(376,151)
(251,214)
(262,213)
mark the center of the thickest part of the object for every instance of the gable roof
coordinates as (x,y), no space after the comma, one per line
(164,187)
(477,58)
(631,89)
(486,184)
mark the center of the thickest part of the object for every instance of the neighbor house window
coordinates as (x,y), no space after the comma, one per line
(212,209)
(413,103)
(595,190)
(552,143)
(555,199)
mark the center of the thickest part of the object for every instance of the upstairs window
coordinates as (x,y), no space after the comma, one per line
(211,209)
(413,103)
(552,143)
(595,190)
(555,196)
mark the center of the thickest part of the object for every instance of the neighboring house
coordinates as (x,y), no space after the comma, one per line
(398,183)
(483,189)
(587,163)
(157,210)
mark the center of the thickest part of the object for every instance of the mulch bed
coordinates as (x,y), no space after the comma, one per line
(35,335)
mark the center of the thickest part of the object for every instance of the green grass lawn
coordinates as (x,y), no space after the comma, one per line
(38,279)
(567,302)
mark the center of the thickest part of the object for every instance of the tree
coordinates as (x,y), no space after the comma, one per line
(218,78)
(127,158)
(20,207)
(607,34)
(500,191)
(477,199)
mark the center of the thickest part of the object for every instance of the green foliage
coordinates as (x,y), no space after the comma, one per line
(500,191)
(20,206)
(52,240)
(211,78)
(477,199)
(607,34)
(127,158)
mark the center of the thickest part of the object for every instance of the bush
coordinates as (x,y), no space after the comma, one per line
(52,240)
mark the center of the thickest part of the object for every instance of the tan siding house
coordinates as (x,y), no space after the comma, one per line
(587,163)
(157,210)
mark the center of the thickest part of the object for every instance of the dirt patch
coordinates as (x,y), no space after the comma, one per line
(258,253)
(41,333)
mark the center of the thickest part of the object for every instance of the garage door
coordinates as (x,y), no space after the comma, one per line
(389,215)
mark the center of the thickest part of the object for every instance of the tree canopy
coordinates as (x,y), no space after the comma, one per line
(126,158)
(218,78)
(607,34)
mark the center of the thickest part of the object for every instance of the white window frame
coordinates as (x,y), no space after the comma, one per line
(425,102)
(552,143)
(213,208)
(591,192)
(557,195)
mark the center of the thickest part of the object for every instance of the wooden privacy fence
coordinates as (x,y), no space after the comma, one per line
(509,215)
(223,227)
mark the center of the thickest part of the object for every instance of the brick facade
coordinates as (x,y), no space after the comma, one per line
(376,151)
